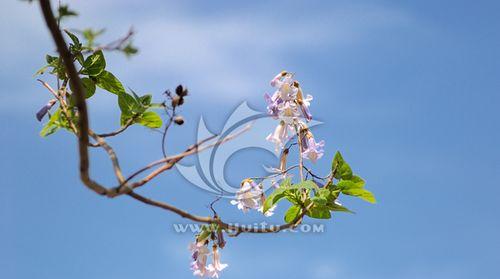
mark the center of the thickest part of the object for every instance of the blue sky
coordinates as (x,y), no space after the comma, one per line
(408,91)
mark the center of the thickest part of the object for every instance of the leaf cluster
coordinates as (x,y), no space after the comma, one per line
(319,201)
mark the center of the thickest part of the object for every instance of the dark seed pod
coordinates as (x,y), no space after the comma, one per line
(176,101)
(181,91)
(179,120)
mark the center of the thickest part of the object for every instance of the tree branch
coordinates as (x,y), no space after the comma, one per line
(83,131)
(81,105)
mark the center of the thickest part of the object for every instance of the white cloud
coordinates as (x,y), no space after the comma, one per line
(228,55)
(231,56)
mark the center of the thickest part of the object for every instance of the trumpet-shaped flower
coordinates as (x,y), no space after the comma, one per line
(312,150)
(45,109)
(199,256)
(279,136)
(248,197)
(216,266)
(276,81)
(273,103)
(304,104)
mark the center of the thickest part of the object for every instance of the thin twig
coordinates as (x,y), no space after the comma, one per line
(83,142)
(117,132)
(164,136)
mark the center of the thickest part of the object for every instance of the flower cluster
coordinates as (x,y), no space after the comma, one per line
(200,253)
(287,104)
(251,196)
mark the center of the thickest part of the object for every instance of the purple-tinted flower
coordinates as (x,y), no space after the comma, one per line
(272,104)
(276,81)
(279,136)
(304,107)
(248,197)
(309,148)
(216,266)
(287,91)
(45,109)
(304,103)
(312,150)
(200,256)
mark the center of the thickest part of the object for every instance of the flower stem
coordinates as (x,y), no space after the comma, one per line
(301,163)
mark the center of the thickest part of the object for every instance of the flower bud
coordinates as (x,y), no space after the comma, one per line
(45,109)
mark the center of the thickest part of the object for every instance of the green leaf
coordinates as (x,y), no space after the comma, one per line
(361,193)
(340,167)
(64,11)
(41,70)
(292,213)
(55,123)
(307,184)
(129,50)
(277,195)
(79,58)
(128,104)
(319,212)
(94,64)
(89,87)
(90,35)
(73,38)
(57,66)
(51,59)
(110,83)
(273,198)
(146,100)
(51,126)
(150,119)
(355,182)
(336,207)
(319,200)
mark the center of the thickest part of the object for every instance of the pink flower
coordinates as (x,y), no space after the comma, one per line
(200,255)
(279,136)
(248,197)
(216,266)
(312,150)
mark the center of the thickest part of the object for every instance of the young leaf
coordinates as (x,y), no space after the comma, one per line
(51,59)
(319,212)
(273,198)
(129,50)
(73,38)
(146,100)
(340,168)
(319,200)
(340,208)
(53,125)
(41,70)
(64,11)
(355,182)
(292,213)
(90,35)
(94,64)
(128,104)
(361,193)
(110,83)
(150,119)
(49,128)
(307,184)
